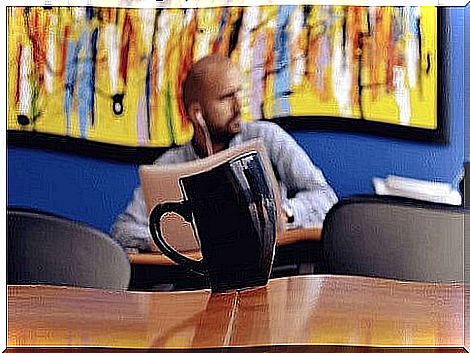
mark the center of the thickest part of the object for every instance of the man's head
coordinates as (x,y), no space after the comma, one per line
(211,92)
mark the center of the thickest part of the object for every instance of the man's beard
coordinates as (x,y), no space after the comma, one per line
(222,137)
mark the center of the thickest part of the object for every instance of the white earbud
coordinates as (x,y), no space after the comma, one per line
(207,137)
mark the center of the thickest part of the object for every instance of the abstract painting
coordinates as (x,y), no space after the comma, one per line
(114,75)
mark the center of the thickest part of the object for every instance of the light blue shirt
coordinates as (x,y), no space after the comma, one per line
(305,193)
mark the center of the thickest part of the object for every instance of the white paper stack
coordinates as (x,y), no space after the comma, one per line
(417,189)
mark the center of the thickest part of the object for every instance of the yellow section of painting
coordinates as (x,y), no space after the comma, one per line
(166,126)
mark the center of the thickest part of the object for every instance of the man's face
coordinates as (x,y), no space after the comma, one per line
(221,102)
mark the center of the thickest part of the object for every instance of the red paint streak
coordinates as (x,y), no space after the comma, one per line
(18,74)
(153,79)
(127,34)
(354,33)
(216,47)
(63,59)
(44,33)
(36,35)
(40,50)
(269,64)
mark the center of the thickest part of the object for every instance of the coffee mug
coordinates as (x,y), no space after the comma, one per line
(232,212)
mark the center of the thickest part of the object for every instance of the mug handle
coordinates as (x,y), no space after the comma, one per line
(181,208)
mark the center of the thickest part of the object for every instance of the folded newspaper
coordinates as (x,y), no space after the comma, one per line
(417,189)
(160,183)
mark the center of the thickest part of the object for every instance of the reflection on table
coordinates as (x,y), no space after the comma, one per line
(314,310)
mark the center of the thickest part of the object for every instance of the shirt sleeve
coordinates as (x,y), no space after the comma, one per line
(131,229)
(305,193)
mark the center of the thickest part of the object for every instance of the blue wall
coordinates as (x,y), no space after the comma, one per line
(95,191)
(91,191)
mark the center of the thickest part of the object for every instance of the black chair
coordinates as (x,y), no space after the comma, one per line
(465,184)
(46,249)
(395,238)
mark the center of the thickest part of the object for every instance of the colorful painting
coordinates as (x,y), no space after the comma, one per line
(114,75)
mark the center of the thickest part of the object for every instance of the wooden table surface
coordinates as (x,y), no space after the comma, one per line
(288,237)
(320,309)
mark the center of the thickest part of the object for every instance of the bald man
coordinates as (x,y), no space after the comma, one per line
(211,96)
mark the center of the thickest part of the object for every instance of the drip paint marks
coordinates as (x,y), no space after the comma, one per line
(114,75)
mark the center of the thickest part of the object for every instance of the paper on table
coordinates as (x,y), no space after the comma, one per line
(417,189)
(412,185)
(160,184)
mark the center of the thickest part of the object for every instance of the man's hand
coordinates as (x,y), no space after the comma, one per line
(284,217)
(287,217)
(282,220)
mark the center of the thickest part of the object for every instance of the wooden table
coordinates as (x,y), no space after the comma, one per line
(286,238)
(313,310)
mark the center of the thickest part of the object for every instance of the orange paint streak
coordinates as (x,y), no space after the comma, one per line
(109,15)
(269,57)
(106,13)
(186,62)
(378,45)
(312,58)
(390,55)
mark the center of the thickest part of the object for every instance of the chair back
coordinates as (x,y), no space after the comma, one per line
(395,238)
(47,249)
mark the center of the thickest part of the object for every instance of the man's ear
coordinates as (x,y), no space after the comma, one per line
(194,113)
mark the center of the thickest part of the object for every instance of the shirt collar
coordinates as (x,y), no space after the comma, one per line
(236,140)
